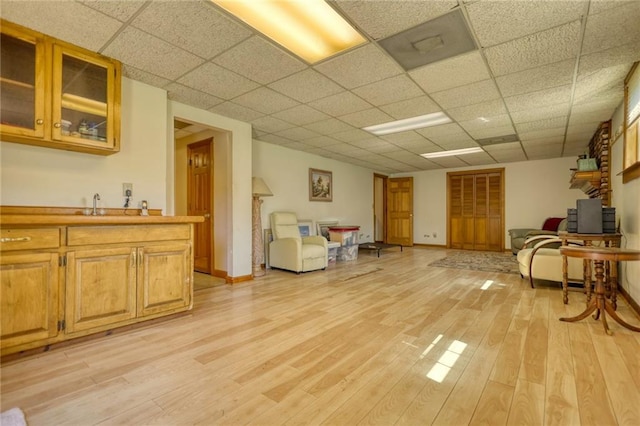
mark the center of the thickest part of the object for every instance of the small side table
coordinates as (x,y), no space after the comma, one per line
(601,304)
(610,240)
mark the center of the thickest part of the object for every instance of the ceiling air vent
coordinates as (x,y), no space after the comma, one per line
(441,38)
(495,140)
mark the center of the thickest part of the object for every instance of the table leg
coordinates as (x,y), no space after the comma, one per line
(587,279)
(565,279)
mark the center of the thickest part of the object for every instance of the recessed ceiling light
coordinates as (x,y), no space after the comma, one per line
(311,29)
(452,152)
(428,120)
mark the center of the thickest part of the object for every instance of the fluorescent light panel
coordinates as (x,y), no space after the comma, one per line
(452,152)
(311,29)
(412,123)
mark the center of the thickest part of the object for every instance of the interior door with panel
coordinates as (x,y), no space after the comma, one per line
(199,196)
(400,211)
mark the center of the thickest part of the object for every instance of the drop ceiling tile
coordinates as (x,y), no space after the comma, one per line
(550,140)
(542,113)
(531,126)
(274,62)
(319,151)
(366,118)
(143,76)
(578,119)
(423,147)
(483,109)
(509,146)
(340,104)
(265,100)
(394,89)
(360,66)
(547,47)
(469,94)
(595,106)
(459,142)
(539,78)
(478,159)
(321,141)
(509,156)
(195,26)
(491,132)
(449,162)
(238,112)
(403,137)
(270,125)
(373,16)
(602,82)
(383,149)
(544,133)
(301,115)
(441,130)
(572,151)
(414,107)
(346,149)
(306,86)
(449,73)
(329,126)
(122,10)
(70,21)
(369,143)
(352,135)
(624,54)
(502,120)
(612,28)
(541,98)
(599,6)
(499,21)
(544,153)
(582,132)
(189,96)
(217,81)
(146,52)
(297,134)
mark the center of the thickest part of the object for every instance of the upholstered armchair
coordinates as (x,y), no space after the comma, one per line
(551,226)
(540,258)
(290,251)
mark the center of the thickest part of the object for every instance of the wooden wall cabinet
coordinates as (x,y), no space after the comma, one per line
(57,95)
(64,282)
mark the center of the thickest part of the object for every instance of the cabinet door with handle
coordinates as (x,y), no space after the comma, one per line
(101,288)
(164,278)
(29,298)
(23,80)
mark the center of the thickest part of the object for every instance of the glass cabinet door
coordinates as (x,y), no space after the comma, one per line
(82,98)
(22,81)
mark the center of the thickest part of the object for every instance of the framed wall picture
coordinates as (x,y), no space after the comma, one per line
(323,227)
(306,227)
(320,185)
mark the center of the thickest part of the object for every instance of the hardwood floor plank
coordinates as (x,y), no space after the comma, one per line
(387,340)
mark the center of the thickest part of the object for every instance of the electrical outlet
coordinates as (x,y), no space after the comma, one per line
(127,187)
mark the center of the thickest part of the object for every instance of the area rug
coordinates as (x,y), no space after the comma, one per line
(479,261)
(13,417)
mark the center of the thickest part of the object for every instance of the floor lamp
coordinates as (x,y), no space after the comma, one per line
(258,189)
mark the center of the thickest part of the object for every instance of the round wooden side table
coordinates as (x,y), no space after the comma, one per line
(601,304)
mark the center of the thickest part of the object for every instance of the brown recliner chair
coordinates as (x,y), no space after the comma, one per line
(551,226)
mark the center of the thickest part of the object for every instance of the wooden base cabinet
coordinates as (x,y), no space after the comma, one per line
(29,299)
(66,282)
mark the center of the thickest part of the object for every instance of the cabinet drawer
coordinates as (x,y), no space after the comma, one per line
(29,239)
(91,235)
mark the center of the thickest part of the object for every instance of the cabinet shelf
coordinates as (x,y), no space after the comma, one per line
(16,83)
(79,103)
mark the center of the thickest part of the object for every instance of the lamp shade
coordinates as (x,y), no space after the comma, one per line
(259,188)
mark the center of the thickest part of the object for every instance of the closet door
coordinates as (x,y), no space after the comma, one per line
(481,213)
(495,212)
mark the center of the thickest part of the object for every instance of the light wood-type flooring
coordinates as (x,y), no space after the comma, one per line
(389,341)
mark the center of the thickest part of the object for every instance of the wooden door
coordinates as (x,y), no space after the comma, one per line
(199,195)
(379,208)
(164,278)
(101,287)
(29,298)
(475,203)
(400,211)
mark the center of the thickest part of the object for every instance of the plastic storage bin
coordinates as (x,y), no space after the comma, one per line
(333,251)
(347,237)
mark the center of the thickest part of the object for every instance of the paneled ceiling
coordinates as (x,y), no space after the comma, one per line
(546,71)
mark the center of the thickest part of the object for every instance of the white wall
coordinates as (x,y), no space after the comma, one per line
(286,172)
(534,190)
(626,199)
(36,176)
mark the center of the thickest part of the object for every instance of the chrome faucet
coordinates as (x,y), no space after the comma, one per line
(96,197)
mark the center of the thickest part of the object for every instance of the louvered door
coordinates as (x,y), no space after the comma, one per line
(476,210)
